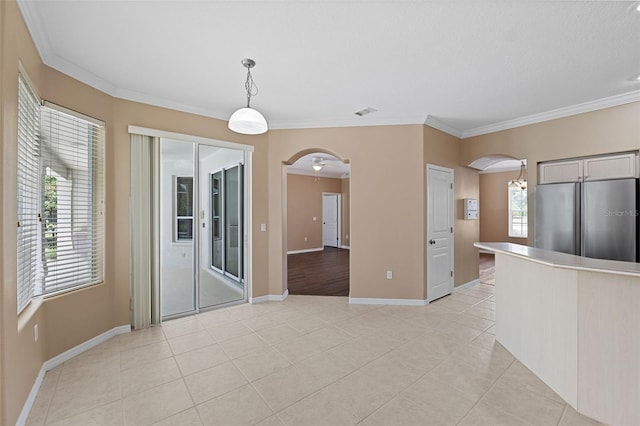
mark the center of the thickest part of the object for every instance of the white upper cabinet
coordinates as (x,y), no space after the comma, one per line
(616,166)
(611,167)
(560,171)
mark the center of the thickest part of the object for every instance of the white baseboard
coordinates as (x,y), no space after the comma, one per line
(65,356)
(346,247)
(305,250)
(466,285)
(270,298)
(377,301)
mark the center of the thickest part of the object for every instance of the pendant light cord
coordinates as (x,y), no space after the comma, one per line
(250,86)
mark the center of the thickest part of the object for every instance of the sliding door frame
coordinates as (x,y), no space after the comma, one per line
(246,204)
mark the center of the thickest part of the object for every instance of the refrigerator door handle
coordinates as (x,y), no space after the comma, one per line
(581,212)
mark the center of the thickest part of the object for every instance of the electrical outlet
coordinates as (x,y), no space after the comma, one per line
(315,218)
(305,238)
(347,236)
(263,227)
(35,332)
(389,275)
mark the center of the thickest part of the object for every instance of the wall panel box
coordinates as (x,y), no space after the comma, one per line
(470,208)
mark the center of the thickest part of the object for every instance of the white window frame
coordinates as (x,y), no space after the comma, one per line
(512,211)
(222,219)
(28,195)
(176,218)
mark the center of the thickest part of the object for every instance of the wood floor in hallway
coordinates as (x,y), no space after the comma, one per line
(321,273)
(487,268)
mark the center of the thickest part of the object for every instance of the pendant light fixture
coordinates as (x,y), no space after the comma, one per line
(521,181)
(248,121)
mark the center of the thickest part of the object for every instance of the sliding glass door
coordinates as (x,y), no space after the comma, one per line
(201,193)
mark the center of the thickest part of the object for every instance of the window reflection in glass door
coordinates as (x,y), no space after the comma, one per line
(221,278)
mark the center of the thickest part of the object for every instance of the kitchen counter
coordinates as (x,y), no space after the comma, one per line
(563,260)
(574,322)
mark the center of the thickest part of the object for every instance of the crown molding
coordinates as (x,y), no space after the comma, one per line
(612,101)
(350,122)
(134,96)
(38,35)
(431,121)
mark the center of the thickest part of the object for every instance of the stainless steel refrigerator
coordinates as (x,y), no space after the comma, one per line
(597,219)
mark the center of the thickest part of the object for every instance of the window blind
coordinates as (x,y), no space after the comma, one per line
(60,191)
(29,269)
(72,170)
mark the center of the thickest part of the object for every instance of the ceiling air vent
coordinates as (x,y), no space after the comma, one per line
(365,111)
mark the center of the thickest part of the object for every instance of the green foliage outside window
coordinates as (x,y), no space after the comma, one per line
(50,216)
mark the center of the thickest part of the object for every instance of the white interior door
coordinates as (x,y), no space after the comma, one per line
(330,209)
(439,232)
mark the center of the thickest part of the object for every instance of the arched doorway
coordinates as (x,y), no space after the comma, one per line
(503,208)
(316,223)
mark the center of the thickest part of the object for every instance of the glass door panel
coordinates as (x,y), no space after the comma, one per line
(216,220)
(221,217)
(177,285)
(233,221)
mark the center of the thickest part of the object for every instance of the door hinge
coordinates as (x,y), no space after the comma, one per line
(451,185)
(451,274)
(451,229)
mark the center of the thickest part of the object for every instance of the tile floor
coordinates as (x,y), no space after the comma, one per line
(309,360)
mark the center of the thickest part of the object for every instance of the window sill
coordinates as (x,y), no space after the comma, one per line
(68,290)
(27,314)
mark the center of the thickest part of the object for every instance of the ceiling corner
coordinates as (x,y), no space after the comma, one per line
(432,121)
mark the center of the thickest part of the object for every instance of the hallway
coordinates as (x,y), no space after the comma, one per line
(321,273)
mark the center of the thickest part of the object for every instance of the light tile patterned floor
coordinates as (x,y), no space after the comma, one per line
(309,360)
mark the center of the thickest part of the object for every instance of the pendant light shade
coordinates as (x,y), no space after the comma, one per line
(248,121)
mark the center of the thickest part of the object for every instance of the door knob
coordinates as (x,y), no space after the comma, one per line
(432,241)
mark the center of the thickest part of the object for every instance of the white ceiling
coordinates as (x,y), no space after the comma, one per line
(332,167)
(467,67)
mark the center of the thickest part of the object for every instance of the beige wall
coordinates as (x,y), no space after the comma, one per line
(346,212)
(304,202)
(2,136)
(21,356)
(442,149)
(380,240)
(598,132)
(494,207)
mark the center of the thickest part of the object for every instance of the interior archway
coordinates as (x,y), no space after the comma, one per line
(489,161)
(497,175)
(314,180)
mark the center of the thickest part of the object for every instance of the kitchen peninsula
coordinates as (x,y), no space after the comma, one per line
(574,322)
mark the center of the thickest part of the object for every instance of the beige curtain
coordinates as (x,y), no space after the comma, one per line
(144,284)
